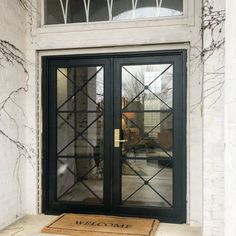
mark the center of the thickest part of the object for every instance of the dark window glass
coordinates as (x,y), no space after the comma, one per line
(98,10)
(171,8)
(72,11)
(76,11)
(122,9)
(53,13)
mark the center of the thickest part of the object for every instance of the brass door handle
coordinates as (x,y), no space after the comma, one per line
(123,140)
(117,139)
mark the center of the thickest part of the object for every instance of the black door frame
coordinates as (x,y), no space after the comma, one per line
(112,90)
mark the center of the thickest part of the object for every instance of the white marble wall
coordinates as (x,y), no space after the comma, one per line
(14,151)
(230,120)
(213,119)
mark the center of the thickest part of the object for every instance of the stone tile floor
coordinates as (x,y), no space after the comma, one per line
(31,226)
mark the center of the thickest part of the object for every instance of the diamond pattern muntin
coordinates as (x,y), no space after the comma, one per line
(80,133)
(146,182)
(133,147)
(80,138)
(79,90)
(136,90)
(81,180)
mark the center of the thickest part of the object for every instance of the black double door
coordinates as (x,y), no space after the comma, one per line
(114,135)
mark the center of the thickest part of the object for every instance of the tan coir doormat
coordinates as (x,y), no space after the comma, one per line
(97,225)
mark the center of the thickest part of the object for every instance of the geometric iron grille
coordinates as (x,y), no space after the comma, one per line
(80,134)
(147,116)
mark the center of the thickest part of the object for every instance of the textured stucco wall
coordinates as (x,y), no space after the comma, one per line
(230,120)
(213,120)
(13,121)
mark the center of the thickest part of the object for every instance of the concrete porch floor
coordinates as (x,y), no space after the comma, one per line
(31,226)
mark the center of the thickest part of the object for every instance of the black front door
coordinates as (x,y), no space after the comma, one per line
(114,135)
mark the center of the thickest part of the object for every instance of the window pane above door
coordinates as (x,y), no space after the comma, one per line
(76,11)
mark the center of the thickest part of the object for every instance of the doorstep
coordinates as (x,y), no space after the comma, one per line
(31,226)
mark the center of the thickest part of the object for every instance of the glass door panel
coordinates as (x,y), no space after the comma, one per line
(80,145)
(147,128)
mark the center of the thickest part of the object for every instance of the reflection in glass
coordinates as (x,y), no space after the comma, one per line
(147,127)
(69,82)
(147,135)
(53,12)
(147,87)
(80,180)
(171,8)
(72,11)
(80,134)
(147,183)
(76,12)
(147,92)
(122,9)
(98,11)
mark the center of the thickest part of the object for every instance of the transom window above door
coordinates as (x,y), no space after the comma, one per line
(78,11)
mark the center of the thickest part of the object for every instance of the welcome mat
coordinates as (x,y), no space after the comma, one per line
(98,225)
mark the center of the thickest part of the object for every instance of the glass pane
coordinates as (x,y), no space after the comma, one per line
(147,94)
(80,93)
(72,11)
(76,11)
(80,88)
(98,10)
(147,127)
(122,9)
(147,183)
(80,180)
(81,138)
(147,87)
(148,135)
(65,133)
(53,12)
(146,8)
(171,8)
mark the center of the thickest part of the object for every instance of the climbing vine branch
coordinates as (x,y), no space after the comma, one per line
(212,23)
(12,55)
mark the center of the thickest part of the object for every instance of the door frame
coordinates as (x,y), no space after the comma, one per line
(177,218)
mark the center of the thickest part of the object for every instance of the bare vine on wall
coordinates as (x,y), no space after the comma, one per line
(10,55)
(211,53)
(26,5)
(212,21)
(8,51)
